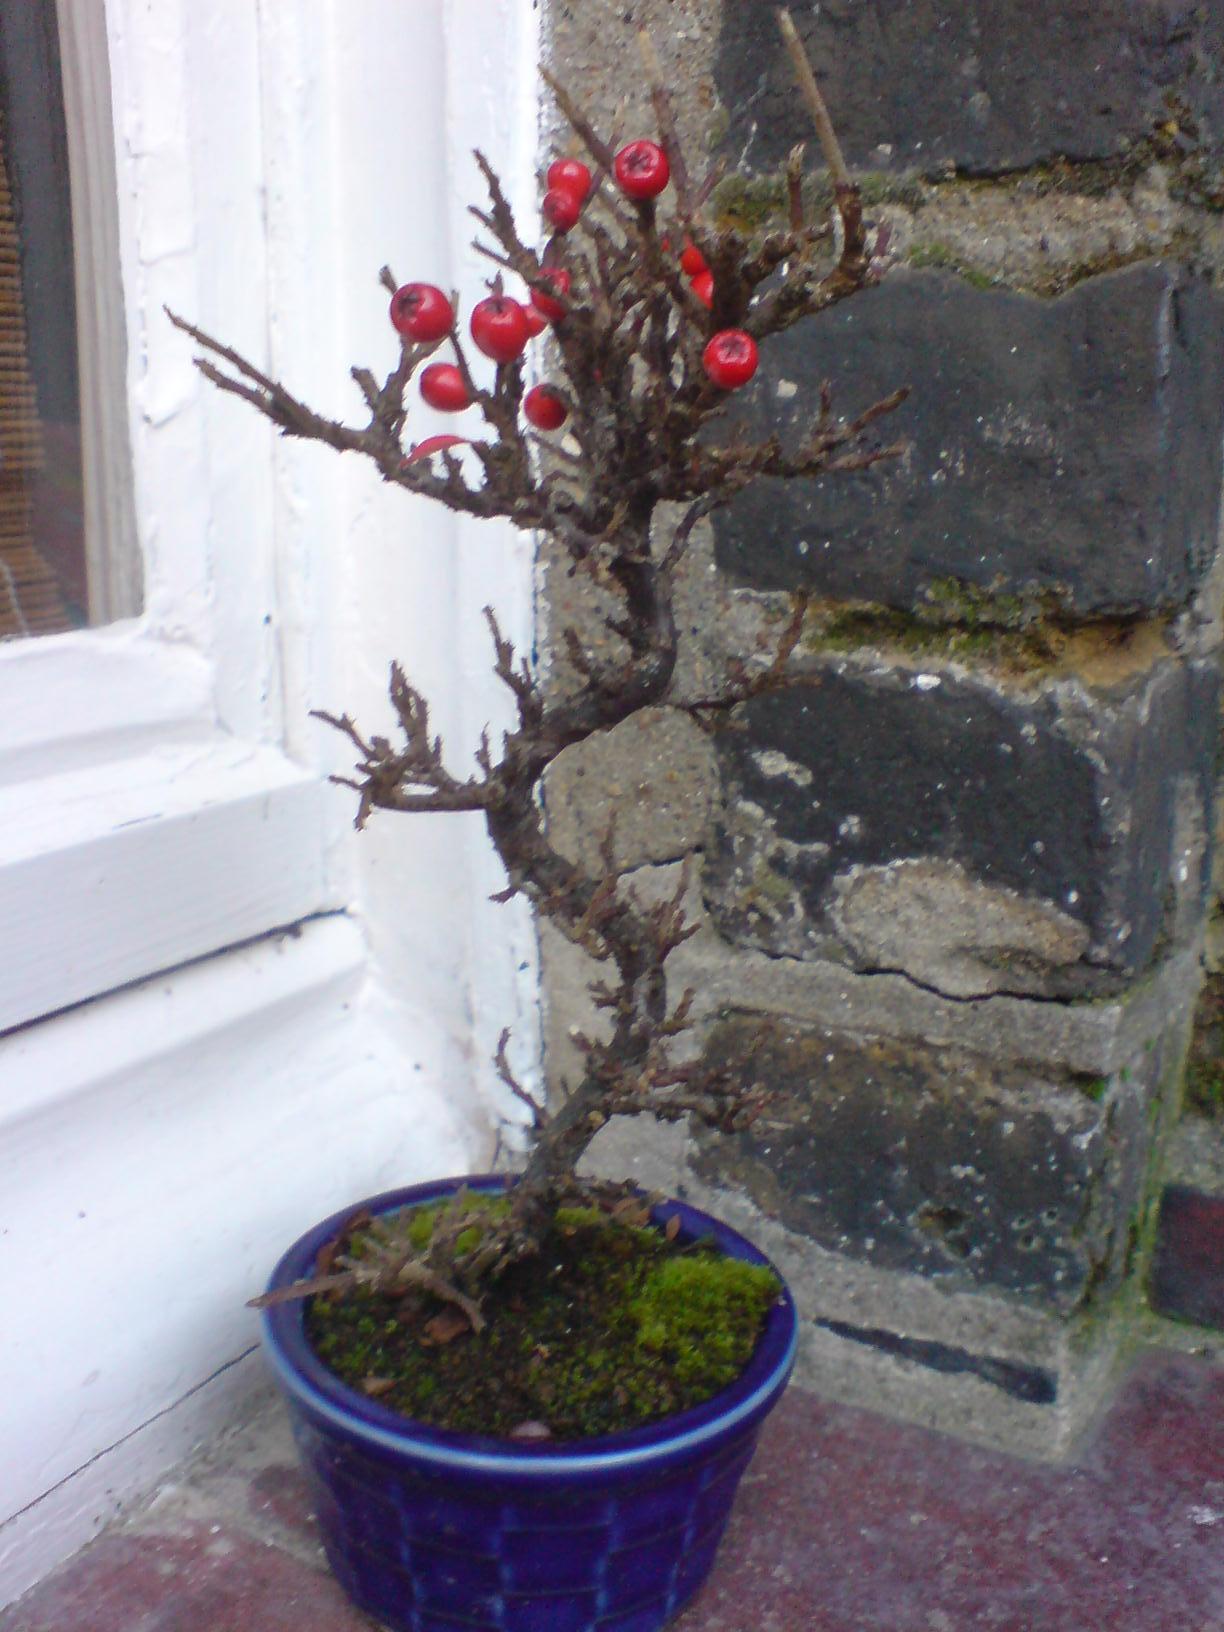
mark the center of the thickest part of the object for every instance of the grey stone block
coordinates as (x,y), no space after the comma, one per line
(938,1162)
(1041,435)
(987,87)
(977,839)
(847,1304)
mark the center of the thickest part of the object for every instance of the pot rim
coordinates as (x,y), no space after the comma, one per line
(323,1394)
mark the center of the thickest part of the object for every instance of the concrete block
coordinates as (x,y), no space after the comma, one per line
(648,783)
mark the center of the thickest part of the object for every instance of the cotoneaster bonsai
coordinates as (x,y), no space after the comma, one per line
(589,1487)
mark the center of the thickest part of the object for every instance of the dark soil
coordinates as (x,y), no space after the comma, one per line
(610,1327)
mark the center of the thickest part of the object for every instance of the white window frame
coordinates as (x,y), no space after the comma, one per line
(170,755)
(153,808)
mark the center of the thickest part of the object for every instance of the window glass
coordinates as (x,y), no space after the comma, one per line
(43,579)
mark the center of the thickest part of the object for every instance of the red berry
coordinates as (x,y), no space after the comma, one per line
(642,169)
(545,408)
(443,387)
(731,358)
(499,328)
(703,287)
(559,278)
(561,208)
(422,312)
(570,173)
(692,260)
(536,321)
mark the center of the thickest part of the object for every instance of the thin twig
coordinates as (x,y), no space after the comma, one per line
(830,146)
(669,135)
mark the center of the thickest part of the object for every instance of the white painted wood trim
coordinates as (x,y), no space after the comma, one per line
(159,1148)
(162,857)
(74,700)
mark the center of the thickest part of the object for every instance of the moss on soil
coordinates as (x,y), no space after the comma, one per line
(610,1327)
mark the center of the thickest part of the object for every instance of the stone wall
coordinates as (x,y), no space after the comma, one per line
(950,889)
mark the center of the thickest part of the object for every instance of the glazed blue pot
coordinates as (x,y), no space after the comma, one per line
(434,1531)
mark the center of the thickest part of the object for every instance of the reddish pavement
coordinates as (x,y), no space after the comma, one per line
(846,1522)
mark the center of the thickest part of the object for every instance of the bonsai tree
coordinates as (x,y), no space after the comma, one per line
(656,314)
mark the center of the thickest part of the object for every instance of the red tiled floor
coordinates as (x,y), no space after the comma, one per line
(205,1578)
(847,1522)
(851,1524)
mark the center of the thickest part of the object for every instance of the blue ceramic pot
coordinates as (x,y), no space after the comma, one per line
(434,1531)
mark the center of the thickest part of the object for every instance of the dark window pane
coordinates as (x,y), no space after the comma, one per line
(42,546)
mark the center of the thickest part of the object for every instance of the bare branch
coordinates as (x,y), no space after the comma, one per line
(830,146)
(582,127)
(794,187)
(669,135)
(628,350)
(500,1060)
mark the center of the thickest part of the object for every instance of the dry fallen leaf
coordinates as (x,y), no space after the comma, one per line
(446,1326)
(672,1229)
(631,1211)
(375,1386)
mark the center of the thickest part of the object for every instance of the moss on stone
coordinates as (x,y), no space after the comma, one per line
(847,628)
(750,203)
(955,600)
(759,203)
(1204,1078)
(773,886)
(1024,636)
(1205,1087)
(1063,278)
(1194,168)
(943,256)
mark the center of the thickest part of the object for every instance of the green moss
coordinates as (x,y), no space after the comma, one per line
(608,1327)
(1066,277)
(961,626)
(699,1312)
(878,187)
(1205,1087)
(773,886)
(417,1224)
(942,255)
(1025,635)
(750,203)
(1204,1077)
(1095,1088)
(1173,141)
(569,1219)
(760,203)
